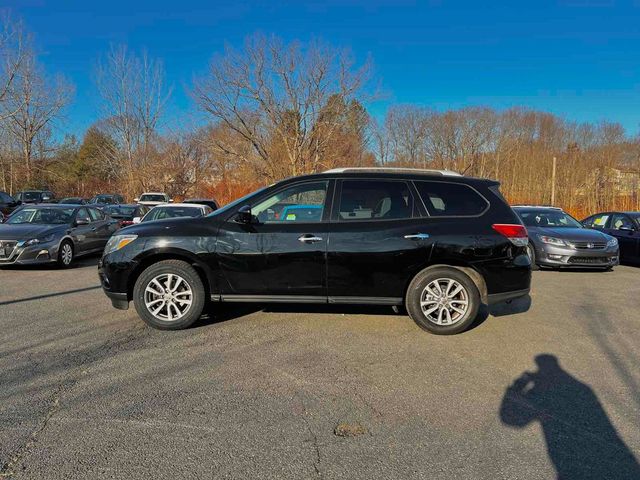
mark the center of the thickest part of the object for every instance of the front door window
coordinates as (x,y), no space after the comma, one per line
(302,203)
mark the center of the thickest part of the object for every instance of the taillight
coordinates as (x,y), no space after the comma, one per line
(517,234)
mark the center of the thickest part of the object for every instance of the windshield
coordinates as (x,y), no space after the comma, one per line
(103,199)
(160,213)
(548,218)
(71,200)
(237,202)
(120,210)
(153,198)
(46,216)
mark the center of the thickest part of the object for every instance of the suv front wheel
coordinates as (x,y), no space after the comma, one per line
(443,301)
(169,295)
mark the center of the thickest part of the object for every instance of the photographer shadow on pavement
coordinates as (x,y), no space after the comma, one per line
(581,441)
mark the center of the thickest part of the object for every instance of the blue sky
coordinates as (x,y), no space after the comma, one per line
(576,58)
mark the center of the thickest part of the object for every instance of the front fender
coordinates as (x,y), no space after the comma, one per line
(197,251)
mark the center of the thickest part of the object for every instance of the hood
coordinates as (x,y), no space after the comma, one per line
(28,231)
(182,226)
(150,203)
(571,234)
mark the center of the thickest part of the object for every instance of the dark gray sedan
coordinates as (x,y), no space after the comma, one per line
(53,233)
(556,239)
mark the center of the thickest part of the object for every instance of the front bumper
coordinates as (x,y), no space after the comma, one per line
(32,254)
(556,256)
(494,298)
(114,273)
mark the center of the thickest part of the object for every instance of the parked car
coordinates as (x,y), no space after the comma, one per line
(35,196)
(53,233)
(73,201)
(125,213)
(174,210)
(557,240)
(7,203)
(203,201)
(151,199)
(103,200)
(625,226)
(437,242)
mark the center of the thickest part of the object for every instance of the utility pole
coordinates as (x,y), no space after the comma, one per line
(553,183)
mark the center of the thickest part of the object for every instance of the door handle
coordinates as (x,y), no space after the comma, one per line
(309,238)
(417,236)
(94,229)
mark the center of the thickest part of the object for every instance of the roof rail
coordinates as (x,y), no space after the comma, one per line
(448,173)
(536,206)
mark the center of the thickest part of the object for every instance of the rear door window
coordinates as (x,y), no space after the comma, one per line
(444,199)
(375,200)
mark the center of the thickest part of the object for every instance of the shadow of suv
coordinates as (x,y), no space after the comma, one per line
(437,242)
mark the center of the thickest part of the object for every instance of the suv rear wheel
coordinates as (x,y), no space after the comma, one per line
(169,295)
(443,300)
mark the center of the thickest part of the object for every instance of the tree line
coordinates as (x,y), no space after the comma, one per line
(272,109)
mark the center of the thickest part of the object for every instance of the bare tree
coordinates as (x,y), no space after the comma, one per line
(134,96)
(274,96)
(32,104)
(12,54)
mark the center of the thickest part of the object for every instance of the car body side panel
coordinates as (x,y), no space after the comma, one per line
(373,258)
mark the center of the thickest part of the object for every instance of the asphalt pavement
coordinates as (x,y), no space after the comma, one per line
(255,391)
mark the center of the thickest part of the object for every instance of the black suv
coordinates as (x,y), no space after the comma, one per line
(437,242)
(36,196)
(7,203)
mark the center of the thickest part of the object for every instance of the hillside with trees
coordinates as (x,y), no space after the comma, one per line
(273,109)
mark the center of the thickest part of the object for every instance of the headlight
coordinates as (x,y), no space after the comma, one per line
(117,242)
(552,241)
(36,241)
(613,242)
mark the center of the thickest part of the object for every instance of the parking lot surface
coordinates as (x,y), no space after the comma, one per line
(318,392)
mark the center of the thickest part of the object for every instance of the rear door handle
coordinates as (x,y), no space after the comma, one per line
(309,238)
(417,236)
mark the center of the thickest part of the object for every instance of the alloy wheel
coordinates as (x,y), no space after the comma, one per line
(444,301)
(66,254)
(168,297)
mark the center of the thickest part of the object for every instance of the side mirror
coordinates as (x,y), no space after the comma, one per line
(244,214)
(82,221)
(137,219)
(136,199)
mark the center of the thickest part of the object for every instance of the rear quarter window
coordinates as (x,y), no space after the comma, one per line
(444,199)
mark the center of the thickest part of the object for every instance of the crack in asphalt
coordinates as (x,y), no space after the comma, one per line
(8,468)
(314,439)
(116,341)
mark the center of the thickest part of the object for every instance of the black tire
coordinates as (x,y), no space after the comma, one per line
(531,251)
(418,285)
(66,254)
(192,281)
